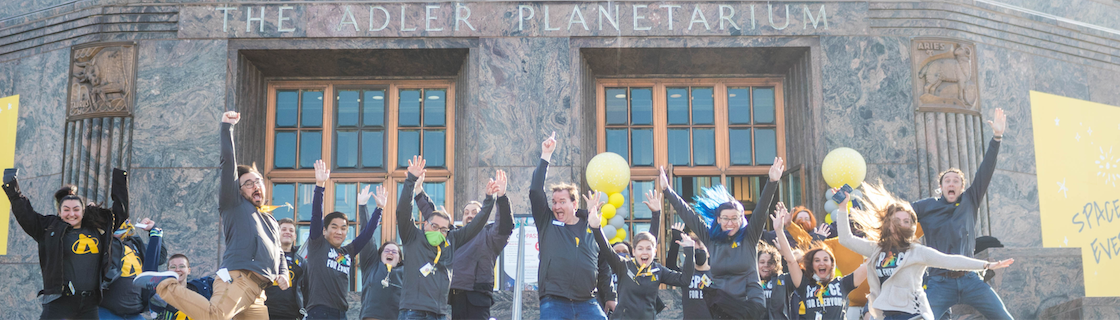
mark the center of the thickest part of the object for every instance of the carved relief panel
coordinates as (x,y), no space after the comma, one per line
(944,75)
(101,80)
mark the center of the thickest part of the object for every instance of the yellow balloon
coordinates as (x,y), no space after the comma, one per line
(617,200)
(844,166)
(608,172)
(608,211)
(620,235)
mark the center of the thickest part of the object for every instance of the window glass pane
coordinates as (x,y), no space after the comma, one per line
(312,107)
(678,147)
(702,106)
(616,142)
(746,189)
(641,211)
(346,149)
(641,106)
(303,199)
(434,148)
(284,155)
(373,149)
(373,112)
(350,232)
(435,107)
(739,105)
(703,147)
(641,145)
(400,187)
(409,108)
(345,199)
(437,192)
(677,105)
(688,187)
(371,206)
(764,105)
(616,106)
(740,145)
(310,148)
(408,145)
(287,108)
(638,227)
(765,146)
(347,108)
(283,193)
(302,233)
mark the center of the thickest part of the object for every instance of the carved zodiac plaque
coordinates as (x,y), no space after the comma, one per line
(944,75)
(102,80)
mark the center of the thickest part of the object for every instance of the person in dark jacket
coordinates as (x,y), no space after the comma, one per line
(731,241)
(288,304)
(78,237)
(692,296)
(473,284)
(132,256)
(181,266)
(570,270)
(948,222)
(381,289)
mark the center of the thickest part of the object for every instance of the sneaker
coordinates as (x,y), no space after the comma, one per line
(150,279)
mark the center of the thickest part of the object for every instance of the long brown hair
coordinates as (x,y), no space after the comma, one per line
(878,214)
(807,259)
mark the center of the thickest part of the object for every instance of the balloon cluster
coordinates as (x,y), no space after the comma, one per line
(842,166)
(609,173)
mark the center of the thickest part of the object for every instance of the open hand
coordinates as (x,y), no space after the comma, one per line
(491,187)
(686,241)
(779,216)
(1001,264)
(593,202)
(679,226)
(501,182)
(999,124)
(231,117)
(653,200)
(364,195)
(322,173)
(664,178)
(823,230)
(382,196)
(777,169)
(416,166)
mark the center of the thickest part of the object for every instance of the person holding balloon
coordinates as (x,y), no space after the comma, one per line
(820,294)
(731,240)
(571,269)
(638,276)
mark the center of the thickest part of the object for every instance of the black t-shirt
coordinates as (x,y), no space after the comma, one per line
(886,264)
(83,260)
(829,300)
(692,297)
(777,292)
(285,304)
(328,272)
(123,297)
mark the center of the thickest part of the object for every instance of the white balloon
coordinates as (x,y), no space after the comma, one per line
(609,231)
(618,222)
(828,194)
(857,194)
(830,206)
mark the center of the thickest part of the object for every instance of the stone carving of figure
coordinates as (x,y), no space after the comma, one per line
(955,67)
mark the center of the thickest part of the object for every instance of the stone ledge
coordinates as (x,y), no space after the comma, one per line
(1085,308)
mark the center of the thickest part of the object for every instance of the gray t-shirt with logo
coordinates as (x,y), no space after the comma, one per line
(328,272)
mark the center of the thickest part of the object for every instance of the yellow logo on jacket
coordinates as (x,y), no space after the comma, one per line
(85,245)
(130,263)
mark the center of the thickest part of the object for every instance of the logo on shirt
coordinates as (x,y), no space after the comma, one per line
(130,263)
(824,296)
(338,262)
(888,263)
(85,245)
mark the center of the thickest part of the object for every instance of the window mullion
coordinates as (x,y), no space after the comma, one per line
(721,129)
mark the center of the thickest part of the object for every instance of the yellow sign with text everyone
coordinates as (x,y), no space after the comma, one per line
(1077,152)
(9,118)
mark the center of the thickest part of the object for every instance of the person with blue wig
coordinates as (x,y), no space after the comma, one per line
(719,221)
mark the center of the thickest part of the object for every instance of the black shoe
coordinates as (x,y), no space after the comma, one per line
(150,279)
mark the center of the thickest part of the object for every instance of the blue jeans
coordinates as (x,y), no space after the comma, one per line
(324,313)
(944,292)
(105,314)
(560,308)
(900,316)
(407,314)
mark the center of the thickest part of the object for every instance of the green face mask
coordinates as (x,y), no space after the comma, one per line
(434,237)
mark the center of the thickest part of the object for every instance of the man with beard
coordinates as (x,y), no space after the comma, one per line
(473,282)
(949,224)
(252,259)
(799,229)
(288,304)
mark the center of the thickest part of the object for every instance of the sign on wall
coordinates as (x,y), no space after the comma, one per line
(1077,149)
(9,118)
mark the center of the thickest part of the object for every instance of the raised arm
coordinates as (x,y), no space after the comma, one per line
(406,227)
(671,260)
(33,223)
(322,174)
(542,215)
(983,175)
(684,277)
(472,229)
(119,194)
(861,246)
(690,218)
(933,258)
(758,218)
(653,201)
(230,187)
(795,272)
(424,203)
(362,240)
(499,238)
(594,221)
(368,259)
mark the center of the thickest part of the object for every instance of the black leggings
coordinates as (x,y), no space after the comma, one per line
(72,307)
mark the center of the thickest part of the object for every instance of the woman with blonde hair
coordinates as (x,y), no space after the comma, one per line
(894,274)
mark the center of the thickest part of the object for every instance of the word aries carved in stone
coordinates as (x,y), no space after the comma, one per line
(955,68)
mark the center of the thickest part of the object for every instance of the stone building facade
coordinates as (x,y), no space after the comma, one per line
(141,84)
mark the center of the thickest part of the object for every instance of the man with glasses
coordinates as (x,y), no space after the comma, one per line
(252,259)
(431,250)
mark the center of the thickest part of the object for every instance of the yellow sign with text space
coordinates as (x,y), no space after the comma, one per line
(9,118)
(1077,152)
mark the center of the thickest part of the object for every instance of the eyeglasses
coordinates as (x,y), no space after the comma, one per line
(250,183)
(729,220)
(391,251)
(434,226)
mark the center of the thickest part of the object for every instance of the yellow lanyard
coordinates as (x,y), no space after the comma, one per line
(439,251)
(644,270)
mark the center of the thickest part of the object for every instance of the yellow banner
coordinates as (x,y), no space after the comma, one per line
(1077,151)
(9,118)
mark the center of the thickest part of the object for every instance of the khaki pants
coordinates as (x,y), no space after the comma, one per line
(242,298)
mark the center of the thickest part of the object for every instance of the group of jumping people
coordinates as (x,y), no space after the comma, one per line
(732,266)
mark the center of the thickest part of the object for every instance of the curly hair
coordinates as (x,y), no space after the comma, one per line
(775,257)
(878,215)
(807,259)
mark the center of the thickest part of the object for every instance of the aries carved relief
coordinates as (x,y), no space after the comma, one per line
(954,67)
